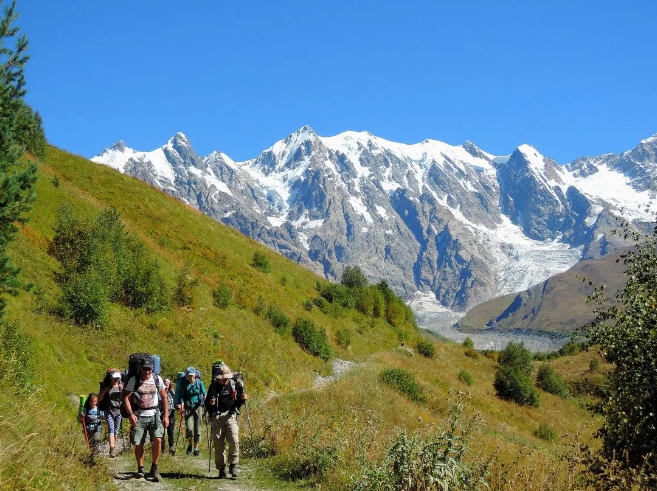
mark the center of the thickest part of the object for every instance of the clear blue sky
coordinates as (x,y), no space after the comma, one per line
(571,78)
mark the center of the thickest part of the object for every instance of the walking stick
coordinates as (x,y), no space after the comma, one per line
(248,418)
(84,427)
(207,430)
(179,427)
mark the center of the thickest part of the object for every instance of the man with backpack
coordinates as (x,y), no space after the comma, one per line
(223,404)
(141,403)
(192,398)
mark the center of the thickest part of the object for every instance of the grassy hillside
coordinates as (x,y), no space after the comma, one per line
(304,435)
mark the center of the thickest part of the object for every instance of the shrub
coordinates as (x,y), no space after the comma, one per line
(305,462)
(343,337)
(312,339)
(279,320)
(338,295)
(544,432)
(512,384)
(261,262)
(222,295)
(594,364)
(307,305)
(364,302)
(259,307)
(435,463)
(515,355)
(468,342)
(552,382)
(466,377)
(471,352)
(283,280)
(323,305)
(403,382)
(492,354)
(425,348)
(101,263)
(55,181)
(184,294)
(353,277)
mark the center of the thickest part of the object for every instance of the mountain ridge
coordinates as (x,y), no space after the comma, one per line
(455,221)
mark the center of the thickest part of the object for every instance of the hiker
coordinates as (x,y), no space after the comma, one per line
(223,404)
(171,429)
(145,416)
(113,413)
(191,398)
(90,418)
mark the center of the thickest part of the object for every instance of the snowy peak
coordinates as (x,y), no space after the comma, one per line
(119,146)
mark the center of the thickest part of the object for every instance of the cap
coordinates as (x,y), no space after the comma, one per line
(190,371)
(148,363)
(116,375)
(224,373)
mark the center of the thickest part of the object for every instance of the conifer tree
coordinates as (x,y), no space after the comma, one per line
(16,179)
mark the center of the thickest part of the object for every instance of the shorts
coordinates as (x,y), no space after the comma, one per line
(150,425)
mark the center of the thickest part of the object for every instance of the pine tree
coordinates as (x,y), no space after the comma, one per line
(16,179)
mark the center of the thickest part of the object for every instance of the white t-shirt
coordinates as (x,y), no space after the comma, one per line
(148,392)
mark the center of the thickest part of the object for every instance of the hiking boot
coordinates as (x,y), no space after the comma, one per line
(140,473)
(172,451)
(233,470)
(196,452)
(112,452)
(222,473)
(155,474)
(189,450)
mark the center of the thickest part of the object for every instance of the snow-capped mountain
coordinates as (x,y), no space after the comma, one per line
(453,222)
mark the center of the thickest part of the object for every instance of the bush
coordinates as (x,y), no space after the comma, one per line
(515,355)
(307,305)
(435,463)
(468,342)
(353,277)
(279,320)
(102,263)
(338,295)
(466,377)
(259,307)
(511,384)
(425,348)
(305,462)
(343,337)
(323,305)
(471,352)
(261,262)
(364,302)
(552,382)
(544,432)
(594,364)
(311,339)
(221,296)
(184,294)
(403,382)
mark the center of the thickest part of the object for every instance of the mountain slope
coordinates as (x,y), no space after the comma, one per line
(556,305)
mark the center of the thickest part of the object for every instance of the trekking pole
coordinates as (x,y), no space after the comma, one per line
(248,418)
(86,436)
(207,430)
(179,427)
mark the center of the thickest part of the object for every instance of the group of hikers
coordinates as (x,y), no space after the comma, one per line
(150,403)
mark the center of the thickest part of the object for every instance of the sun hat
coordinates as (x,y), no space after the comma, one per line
(224,373)
(116,375)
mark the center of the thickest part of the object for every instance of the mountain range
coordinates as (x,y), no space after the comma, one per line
(451,223)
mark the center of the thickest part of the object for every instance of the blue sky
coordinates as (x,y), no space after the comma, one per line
(571,78)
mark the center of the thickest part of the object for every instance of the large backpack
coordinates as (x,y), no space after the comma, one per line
(135,362)
(181,387)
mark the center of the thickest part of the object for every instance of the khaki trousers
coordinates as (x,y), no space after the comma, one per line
(224,427)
